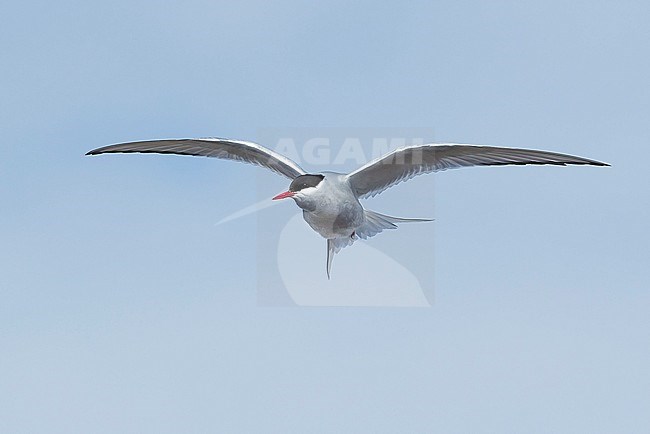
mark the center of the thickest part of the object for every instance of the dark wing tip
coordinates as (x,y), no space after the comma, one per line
(117,149)
(547,163)
(98,151)
(594,163)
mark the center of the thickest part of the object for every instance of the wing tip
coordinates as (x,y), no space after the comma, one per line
(106,150)
(594,163)
(103,150)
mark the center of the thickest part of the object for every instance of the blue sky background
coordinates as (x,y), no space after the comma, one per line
(124,309)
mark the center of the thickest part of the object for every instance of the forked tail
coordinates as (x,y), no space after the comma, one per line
(374,223)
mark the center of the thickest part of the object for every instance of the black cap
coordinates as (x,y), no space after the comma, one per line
(305,181)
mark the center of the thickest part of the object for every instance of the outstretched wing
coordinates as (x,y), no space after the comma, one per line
(403,164)
(237,150)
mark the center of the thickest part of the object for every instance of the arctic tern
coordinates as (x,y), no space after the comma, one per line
(330,200)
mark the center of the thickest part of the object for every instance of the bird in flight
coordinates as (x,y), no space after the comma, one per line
(330,201)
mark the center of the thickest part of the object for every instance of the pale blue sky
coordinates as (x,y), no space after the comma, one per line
(124,309)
